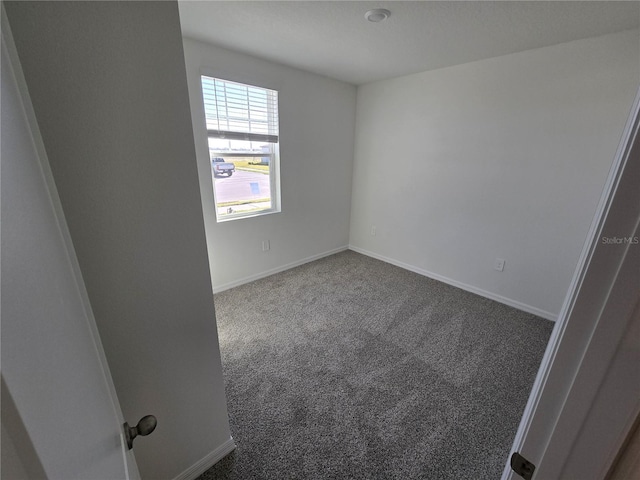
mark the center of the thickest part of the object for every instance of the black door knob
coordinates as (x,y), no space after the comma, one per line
(145,426)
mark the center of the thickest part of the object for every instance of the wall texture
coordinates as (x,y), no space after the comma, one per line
(108,86)
(317,117)
(501,158)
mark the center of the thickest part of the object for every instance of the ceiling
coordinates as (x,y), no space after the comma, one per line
(332,38)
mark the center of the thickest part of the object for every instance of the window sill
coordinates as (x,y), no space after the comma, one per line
(250,214)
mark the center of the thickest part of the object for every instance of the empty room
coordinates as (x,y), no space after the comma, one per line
(321,239)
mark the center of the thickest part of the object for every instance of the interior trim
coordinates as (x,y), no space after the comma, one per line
(469,288)
(208,461)
(267,273)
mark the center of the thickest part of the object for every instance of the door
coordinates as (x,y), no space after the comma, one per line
(587,392)
(61,417)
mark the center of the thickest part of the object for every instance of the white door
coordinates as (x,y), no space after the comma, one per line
(587,393)
(61,417)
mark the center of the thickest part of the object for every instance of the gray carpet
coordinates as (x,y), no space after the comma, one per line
(348,367)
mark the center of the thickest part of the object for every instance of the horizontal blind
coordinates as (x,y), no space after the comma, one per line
(235,111)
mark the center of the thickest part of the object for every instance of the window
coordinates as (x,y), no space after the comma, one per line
(242,130)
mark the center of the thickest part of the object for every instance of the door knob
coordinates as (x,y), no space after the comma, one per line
(145,426)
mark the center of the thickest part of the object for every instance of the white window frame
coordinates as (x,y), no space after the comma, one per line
(274,166)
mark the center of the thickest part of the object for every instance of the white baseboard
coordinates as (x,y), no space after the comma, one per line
(470,288)
(258,276)
(204,464)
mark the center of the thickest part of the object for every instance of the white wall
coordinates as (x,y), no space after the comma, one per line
(108,86)
(504,157)
(317,117)
(53,368)
(582,400)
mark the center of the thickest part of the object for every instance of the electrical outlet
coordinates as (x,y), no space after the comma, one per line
(499,264)
(373,230)
(265,245)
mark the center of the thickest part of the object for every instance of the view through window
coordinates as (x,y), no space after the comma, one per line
(242,130)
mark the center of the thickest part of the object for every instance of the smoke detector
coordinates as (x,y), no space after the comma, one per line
(377,15)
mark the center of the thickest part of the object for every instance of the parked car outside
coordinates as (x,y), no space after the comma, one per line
(220,167)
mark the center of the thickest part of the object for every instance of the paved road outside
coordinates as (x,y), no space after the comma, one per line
(242,186)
